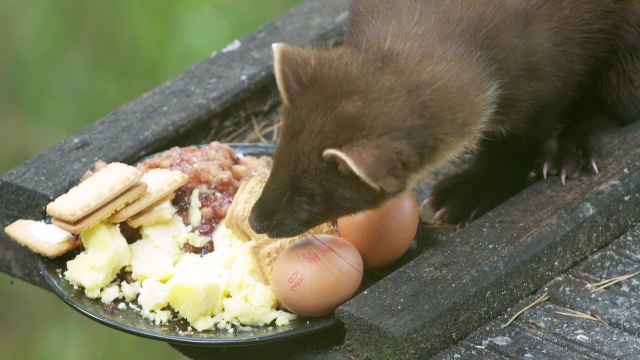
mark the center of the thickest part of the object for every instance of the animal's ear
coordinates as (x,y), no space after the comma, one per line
(376,165)
(292,67)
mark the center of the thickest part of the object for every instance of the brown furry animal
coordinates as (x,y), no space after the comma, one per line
(419,81)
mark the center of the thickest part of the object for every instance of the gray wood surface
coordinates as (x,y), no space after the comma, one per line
(543,333)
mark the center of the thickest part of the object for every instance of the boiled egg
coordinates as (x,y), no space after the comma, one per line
(384,234)
(316,274)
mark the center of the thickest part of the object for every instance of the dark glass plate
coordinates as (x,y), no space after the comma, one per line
(131,321)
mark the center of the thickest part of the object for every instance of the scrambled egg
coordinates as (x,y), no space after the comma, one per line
(218,290)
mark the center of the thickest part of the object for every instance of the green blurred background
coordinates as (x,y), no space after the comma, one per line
(63,65)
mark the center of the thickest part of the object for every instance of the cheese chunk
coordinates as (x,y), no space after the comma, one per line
(106,252)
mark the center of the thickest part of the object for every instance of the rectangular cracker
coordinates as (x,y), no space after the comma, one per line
(160,184)
(128,196)
(44,239)
(159,212)
(94,192)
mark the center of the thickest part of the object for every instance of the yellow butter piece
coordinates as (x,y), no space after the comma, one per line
(106,252)
(168,236)
(148,261)
(196,289)
(153,295)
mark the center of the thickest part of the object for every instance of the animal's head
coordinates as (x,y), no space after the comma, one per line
(333,158)
(358,126)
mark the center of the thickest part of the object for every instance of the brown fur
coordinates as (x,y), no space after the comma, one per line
(419,81)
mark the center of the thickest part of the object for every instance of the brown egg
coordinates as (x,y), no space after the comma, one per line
(382,235)
(315,275)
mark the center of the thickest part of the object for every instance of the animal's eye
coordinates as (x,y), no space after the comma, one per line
(308,197)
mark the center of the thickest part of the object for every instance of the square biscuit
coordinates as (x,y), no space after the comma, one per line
(159,212)
(92,219)
(160,184)
(41,238)
(94,192)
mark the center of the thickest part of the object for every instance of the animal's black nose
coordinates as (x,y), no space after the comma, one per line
(257,221)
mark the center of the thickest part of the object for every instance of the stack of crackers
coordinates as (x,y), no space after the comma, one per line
(116,193)
(265,250)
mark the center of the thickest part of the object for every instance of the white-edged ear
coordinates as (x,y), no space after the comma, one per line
(374,166)
(292,67)
(346,164)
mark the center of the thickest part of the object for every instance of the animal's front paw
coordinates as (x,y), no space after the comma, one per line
(466,196)
(571,152)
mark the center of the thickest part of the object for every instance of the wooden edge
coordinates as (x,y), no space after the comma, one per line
(182,110)
(486,268)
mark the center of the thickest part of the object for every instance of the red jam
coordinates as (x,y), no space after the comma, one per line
(216,171)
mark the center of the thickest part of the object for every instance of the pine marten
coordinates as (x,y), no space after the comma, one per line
(418,82)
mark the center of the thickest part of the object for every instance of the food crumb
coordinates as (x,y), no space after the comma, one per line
(582,338)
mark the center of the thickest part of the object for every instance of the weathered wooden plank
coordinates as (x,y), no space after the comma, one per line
(488,267)
(552,335)
(617,308)
(608,265)
(628,245)
(542,333)
(591,338)
(466,350)
(186,109)
(509,343)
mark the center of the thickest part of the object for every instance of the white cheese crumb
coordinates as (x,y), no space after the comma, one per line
(195,216)
(49,233)
(110,293)
(130,291)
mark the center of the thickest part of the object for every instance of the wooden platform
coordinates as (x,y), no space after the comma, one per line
(461,282)
(544,332)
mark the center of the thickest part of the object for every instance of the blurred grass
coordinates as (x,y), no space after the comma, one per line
(63,65)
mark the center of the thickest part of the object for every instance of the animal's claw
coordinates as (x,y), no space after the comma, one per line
(472,216)
(440,214)
(594,166)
